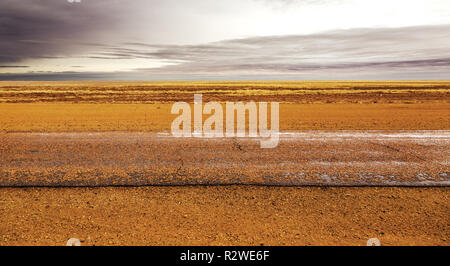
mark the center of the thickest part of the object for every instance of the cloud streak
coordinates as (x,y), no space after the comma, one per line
(377,49)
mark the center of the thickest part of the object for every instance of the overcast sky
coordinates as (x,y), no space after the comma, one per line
(232,39)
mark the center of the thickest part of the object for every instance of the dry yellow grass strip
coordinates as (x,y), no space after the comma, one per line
(293,92)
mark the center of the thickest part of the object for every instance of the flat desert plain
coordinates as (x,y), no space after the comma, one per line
(96,161)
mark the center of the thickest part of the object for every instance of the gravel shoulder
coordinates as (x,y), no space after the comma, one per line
(225,215)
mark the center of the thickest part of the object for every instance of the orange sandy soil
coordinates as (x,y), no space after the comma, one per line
(224,215)
(62,117)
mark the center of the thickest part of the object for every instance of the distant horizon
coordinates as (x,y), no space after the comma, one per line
(233,80)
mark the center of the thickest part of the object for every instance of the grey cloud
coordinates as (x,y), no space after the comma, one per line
(31,29)
(390,53)
(48,28)
(388,48)
(12,66)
